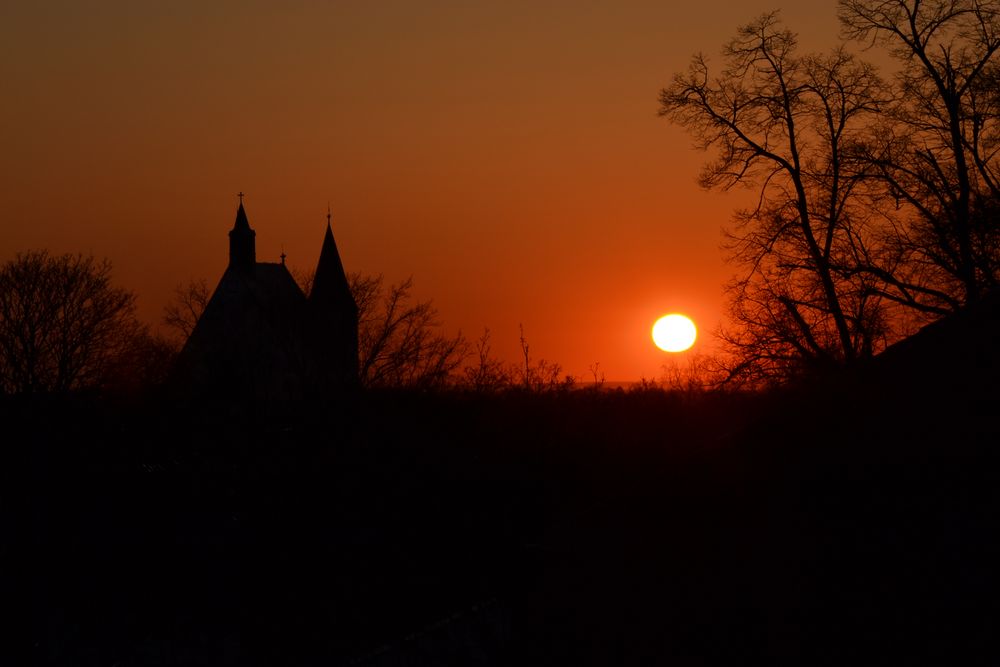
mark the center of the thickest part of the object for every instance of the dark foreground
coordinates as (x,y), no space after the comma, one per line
(852,523)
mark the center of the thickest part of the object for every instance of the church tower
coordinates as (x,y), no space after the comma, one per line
(335,312)
(242,243)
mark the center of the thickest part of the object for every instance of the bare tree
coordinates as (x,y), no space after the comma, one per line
(597,374)
(540,375)
(694,374)
(936,148)
(189,302)
(399,342)
(144,361)
(63,325)
(488,374)
(787,126)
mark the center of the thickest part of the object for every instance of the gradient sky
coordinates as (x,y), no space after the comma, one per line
(507,155)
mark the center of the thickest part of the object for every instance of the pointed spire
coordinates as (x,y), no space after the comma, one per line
(241,218)
(330,283)
(242,242)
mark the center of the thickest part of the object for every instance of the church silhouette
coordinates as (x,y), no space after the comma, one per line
(262,339)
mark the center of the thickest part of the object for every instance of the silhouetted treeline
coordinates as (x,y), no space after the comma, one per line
(65,327)
(173,537)
(840,523)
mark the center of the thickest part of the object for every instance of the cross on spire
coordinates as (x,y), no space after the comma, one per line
(240,195)
(328,213)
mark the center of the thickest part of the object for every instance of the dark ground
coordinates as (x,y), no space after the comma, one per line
(853,522)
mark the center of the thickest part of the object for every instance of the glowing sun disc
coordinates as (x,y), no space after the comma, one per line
(674,333)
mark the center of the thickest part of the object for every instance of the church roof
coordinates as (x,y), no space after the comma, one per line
(243,306)
(273,283)
(331,283)
(241,219)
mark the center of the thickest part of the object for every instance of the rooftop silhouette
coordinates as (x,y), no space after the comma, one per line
(261,337)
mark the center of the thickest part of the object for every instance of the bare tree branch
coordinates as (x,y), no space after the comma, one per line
(787,125)
(63,325)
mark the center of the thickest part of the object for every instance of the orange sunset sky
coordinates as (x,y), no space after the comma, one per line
(507,155)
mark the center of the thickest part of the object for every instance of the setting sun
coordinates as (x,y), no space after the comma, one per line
(674,333)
